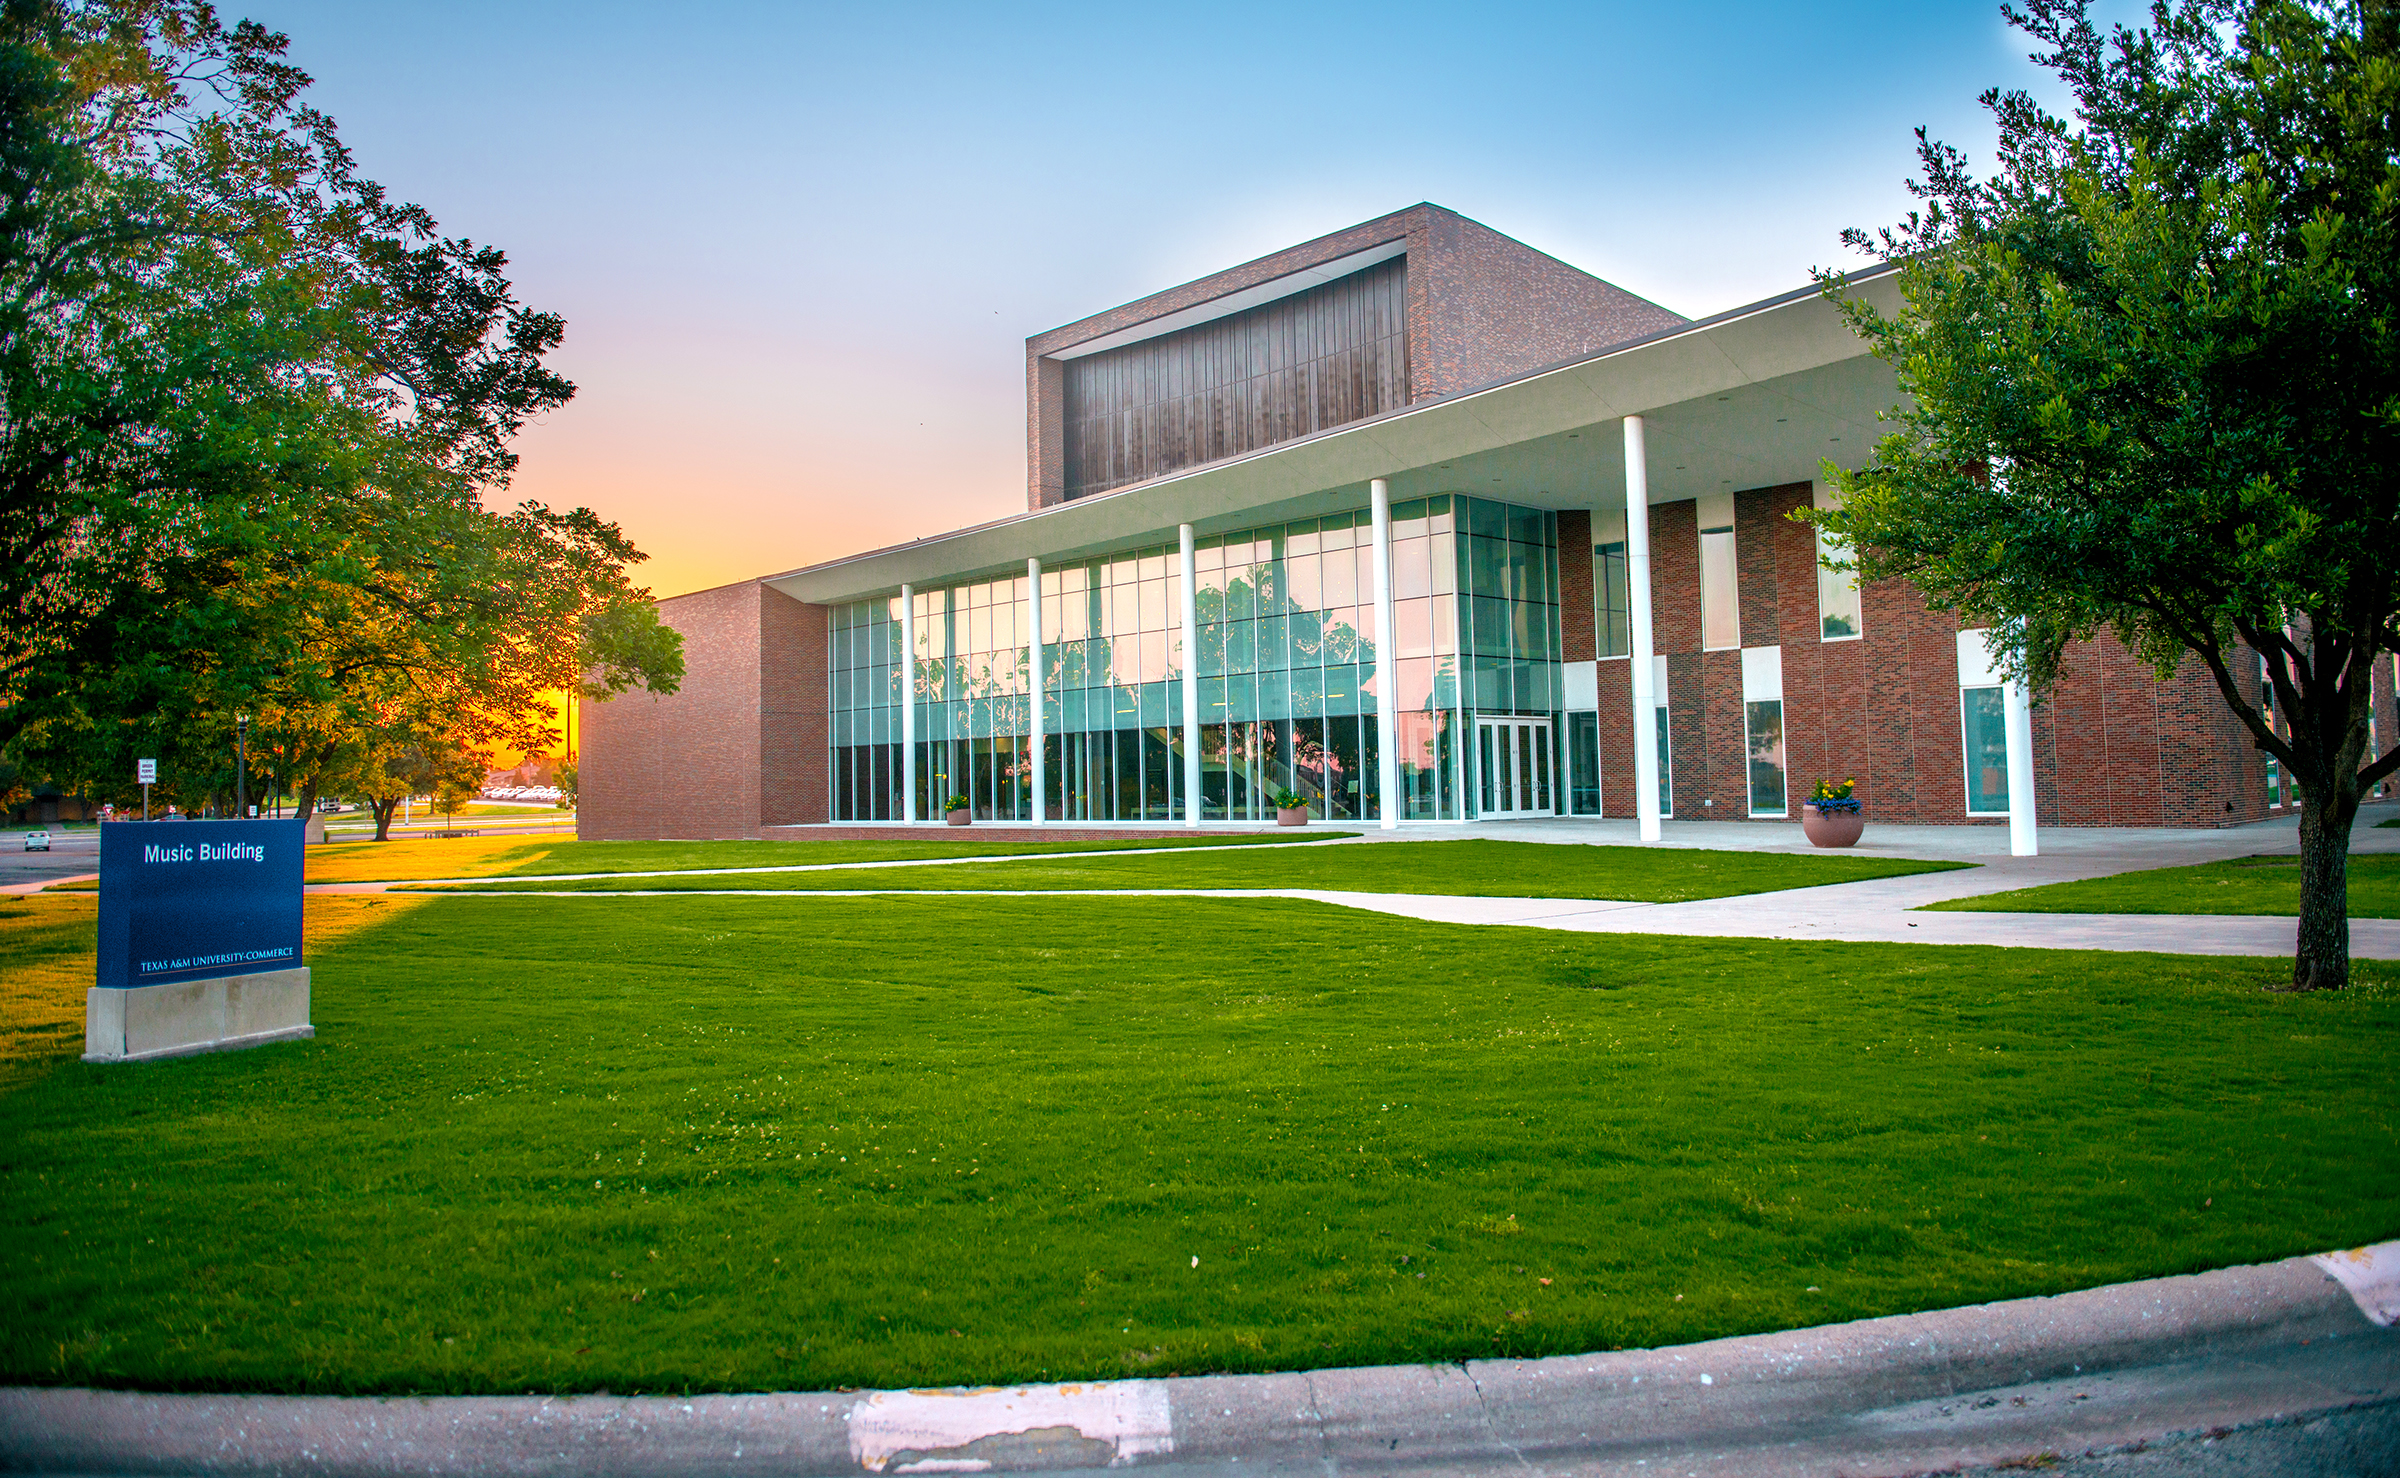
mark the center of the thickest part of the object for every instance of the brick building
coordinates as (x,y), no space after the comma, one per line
(1353,520)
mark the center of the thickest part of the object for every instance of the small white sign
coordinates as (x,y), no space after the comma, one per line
(146,772)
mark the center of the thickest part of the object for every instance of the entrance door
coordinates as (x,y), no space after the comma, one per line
(1518,767)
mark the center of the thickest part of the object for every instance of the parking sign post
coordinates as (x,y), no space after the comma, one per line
(146,771)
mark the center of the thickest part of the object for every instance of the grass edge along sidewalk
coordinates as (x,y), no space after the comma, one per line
(2265,885)
(1477,867)
(696,1145)
(405,860)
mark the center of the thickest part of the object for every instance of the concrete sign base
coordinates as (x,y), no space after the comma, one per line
(220,1015)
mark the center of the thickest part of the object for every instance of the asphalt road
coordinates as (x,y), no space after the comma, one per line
(71,854)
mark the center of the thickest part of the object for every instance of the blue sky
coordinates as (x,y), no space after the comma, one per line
(799,248)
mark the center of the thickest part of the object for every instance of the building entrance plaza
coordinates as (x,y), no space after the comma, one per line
(1428,528)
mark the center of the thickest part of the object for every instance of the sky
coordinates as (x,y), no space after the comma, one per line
(799,248)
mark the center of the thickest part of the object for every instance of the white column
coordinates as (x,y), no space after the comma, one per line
(1637,588)
(908,702)
(1041,760)
(1191,679)
(2016,712)
(1387,661)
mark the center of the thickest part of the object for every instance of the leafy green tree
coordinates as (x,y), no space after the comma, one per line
(251,413)
(454,794)
(383,765)
(2153,377)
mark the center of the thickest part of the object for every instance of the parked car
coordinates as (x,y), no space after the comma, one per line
(37,841)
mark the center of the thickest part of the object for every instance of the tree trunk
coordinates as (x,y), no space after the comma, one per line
(383,820)
(312,780)
(2321,956)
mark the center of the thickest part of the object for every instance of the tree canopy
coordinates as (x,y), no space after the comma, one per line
(2152,365)
(254,417)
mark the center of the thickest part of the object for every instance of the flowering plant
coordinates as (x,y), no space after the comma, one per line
(1831,797)
(956,803)
(1289,800)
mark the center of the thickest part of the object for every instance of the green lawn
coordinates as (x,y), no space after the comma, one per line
(379,862)
(1466,868)
(703,1143)
(361,861)
(2246,885)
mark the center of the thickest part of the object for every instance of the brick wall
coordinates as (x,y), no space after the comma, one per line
(1915,650)
(741,744)
(2113,746)
(2121,748)
(1487,307)
(1616,739)
(795,724)
(1578,617)
(1675,633)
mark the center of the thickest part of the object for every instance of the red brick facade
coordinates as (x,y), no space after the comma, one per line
(742,745)
(1577,616)
(2113,746)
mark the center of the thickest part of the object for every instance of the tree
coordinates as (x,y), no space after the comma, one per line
(2153,378)
(251,412)
(385,765)
(455,793)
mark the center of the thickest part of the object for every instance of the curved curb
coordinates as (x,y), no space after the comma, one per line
(2104,1369)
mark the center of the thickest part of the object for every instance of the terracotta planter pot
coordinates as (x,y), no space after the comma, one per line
(960,818)
(1292,816)
(1831,829)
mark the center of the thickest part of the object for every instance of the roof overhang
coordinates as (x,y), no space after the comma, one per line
(1756,397)
(1235,302)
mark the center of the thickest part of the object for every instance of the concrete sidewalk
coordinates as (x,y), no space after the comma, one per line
(1884,910)
(1834,912)
(2275,1362)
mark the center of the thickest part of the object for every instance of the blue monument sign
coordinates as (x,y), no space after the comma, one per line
(199,943)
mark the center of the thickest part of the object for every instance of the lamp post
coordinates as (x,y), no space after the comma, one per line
(241,766)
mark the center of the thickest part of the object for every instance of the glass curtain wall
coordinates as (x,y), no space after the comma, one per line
(864,672)
(1509,613)
(1287,668)
(1286,673)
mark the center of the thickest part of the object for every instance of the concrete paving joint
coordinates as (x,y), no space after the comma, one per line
(2283,1352)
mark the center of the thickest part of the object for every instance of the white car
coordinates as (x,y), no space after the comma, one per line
(37,841)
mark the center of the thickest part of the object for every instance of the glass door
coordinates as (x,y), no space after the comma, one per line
(1518,767)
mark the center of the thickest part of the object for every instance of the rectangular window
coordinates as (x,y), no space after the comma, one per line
(1613,596)
(1666,766)
(1984,716)
(1763,722)
(2266,711)
(1720,608)
(1837,597)
(1838,615)
(1583,763)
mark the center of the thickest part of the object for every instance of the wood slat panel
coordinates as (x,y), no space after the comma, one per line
(1303,364)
